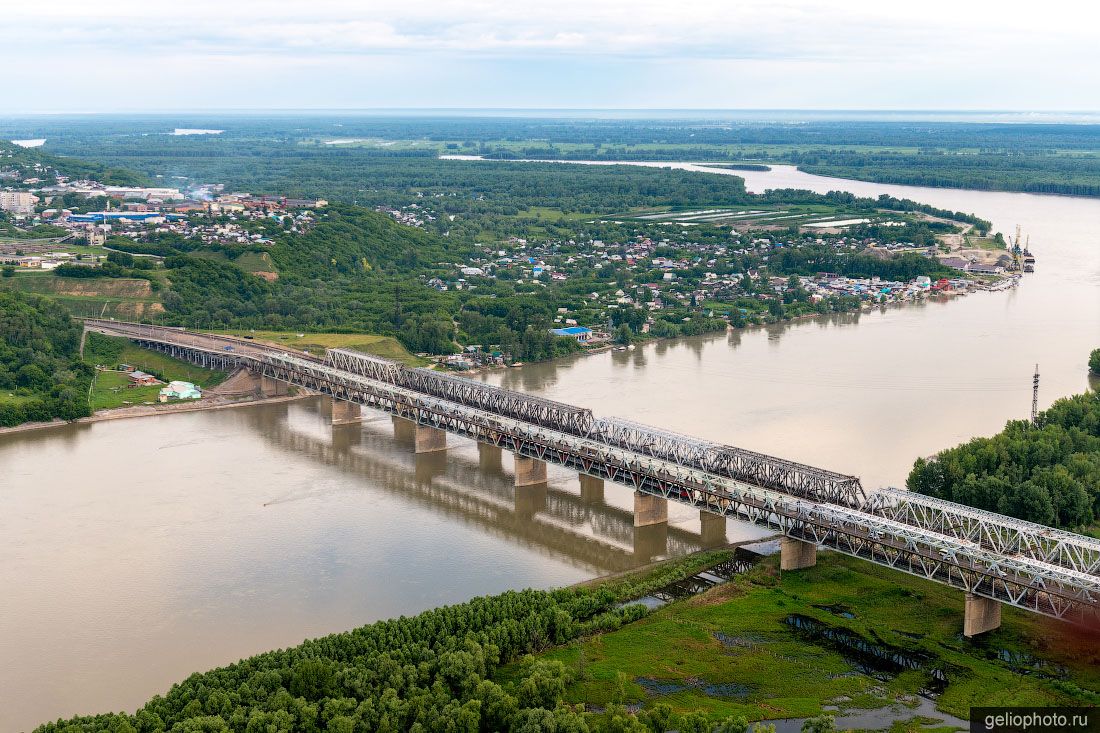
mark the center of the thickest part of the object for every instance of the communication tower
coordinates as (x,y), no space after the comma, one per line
(1035,396)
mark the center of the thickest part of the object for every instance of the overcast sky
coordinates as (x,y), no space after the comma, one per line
(108,55)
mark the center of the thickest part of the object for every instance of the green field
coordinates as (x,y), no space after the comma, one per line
(315,343)
(735,639)
(988,243)
(111,389)
(250,262)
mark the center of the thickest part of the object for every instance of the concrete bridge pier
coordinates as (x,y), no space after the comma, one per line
(981,615)
(428,440)
(424,439)
(649,509)
(530,471)
(489,457)
(712,529)
(796,554)
(591,489)
(271,387)
(346,413)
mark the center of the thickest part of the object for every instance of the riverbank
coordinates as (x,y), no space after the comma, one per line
(998,284)
(124,413)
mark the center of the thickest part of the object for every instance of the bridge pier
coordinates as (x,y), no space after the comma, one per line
(530,471)
(712,529)
(981,615)
(428,439)
(796,554)
(489,457)
(346,413)
(649,509)
(271,387)
(424,439)
(591,489)
(403,430)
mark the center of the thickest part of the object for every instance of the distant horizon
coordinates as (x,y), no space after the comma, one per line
(755,114)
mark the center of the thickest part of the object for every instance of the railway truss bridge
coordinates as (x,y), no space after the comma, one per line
(992,558)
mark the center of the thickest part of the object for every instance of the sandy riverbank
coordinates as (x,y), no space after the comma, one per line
(123,413)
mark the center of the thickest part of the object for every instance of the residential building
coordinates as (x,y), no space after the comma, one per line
(18,202)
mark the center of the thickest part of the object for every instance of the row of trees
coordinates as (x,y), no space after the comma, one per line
(1047,473)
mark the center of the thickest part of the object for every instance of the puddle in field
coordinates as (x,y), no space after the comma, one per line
(1025,663)
(877,660)
(741,641)
(838,610)
(742,561)
(656,687)
(880,718)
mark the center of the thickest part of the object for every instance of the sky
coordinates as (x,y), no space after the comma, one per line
(152,55)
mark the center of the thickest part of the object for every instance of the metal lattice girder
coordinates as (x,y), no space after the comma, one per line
(1018,563)
(538,410)
(796,478)
(762,470)
(997,532)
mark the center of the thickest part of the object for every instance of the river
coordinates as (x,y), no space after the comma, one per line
(255,528)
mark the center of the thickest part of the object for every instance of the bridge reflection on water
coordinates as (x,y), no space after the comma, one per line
(574,521)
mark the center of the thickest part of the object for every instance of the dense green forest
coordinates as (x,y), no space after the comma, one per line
(433,672)
(1047,473)
(253,150)
(41,374)
(40,163)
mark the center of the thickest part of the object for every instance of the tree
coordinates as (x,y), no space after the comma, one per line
(733,724)
(624,335)
(1094,361)
(819,724)
(8,271)
(695,722)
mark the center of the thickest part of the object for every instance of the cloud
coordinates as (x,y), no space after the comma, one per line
(942,44)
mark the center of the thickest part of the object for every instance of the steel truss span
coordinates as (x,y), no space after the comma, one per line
(684,450)
(1019,563)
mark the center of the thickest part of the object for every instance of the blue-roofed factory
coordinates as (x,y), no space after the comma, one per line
(580,333)
(102,217)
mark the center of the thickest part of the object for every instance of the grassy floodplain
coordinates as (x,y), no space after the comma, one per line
(734,650)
